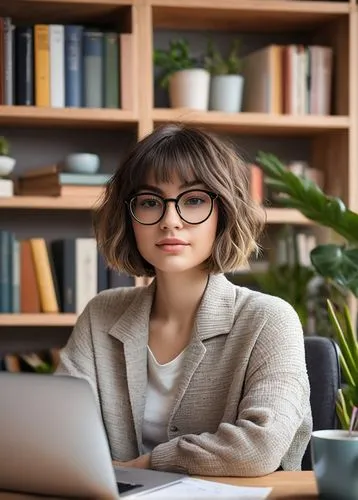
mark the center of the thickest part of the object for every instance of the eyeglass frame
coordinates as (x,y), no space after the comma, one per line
(213,196)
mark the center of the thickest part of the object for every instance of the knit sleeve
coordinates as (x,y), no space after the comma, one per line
(272,408)
(77,356)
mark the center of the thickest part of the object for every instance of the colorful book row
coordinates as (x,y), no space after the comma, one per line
(57,65)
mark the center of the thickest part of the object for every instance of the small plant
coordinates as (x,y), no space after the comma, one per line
(216,64)
(176,58)
(4,146)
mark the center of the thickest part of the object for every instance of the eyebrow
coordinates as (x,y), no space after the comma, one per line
(155,189)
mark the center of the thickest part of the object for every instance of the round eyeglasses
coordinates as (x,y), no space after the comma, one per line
(194,206)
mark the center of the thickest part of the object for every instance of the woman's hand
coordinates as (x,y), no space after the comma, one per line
(142,462)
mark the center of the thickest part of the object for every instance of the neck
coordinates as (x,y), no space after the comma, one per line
(178,296)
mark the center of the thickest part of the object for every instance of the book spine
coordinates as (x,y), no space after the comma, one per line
(127,69)
(15,276)
(93,69)
(24,66)
(63,252)
(42,65)
(57,65)
(86,272)
(73,66)
(8,62)
(44,276)
(5,272)
(111,70)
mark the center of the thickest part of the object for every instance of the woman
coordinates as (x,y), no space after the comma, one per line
(191,373)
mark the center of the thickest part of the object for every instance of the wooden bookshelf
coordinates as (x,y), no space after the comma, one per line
(254,123)
(34,116)
(19,320)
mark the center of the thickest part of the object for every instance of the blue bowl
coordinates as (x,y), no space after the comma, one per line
(81,163)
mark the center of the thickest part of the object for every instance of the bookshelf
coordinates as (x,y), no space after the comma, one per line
(332,139)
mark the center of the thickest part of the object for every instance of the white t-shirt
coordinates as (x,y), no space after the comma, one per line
(161,392)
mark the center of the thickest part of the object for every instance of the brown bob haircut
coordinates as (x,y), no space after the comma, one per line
(190,153)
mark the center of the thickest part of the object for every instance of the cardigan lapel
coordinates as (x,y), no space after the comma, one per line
(132,330)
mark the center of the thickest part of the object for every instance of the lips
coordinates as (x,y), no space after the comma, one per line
(172,242)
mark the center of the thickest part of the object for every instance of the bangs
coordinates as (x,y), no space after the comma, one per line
(171,158)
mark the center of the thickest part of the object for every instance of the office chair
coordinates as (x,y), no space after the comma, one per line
(325,379)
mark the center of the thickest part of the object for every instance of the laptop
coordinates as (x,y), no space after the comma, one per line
(53,442)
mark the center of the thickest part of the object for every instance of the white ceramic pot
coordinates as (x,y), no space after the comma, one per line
(6,165)
(189,88)
(226,93)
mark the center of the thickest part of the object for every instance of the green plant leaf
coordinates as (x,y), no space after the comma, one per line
(337,263)
(348,363)
(4,146)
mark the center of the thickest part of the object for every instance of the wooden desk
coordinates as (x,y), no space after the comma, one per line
(286,486)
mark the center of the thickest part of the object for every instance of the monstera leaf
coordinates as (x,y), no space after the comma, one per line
(338,263)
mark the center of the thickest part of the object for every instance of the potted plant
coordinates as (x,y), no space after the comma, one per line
(336,262)
(187,83)
(6,162)
(227,84)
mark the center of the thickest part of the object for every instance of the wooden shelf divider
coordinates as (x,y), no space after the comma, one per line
(66,117)
(254,123)
(42,319)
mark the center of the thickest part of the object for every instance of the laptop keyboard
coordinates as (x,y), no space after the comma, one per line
(124,487)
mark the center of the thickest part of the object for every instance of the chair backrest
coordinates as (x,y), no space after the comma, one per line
(325,379)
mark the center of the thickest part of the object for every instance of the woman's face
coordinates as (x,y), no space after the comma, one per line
(173,245)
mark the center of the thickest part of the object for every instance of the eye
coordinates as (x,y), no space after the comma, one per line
(194,200)
(149,203)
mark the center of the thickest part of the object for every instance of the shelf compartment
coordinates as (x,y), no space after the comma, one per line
(245,15)
(67,117)
(254,123)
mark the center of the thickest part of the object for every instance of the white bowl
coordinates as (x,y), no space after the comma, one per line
(81,163)
(7,165)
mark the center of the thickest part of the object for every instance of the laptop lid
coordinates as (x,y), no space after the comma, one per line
(52,440)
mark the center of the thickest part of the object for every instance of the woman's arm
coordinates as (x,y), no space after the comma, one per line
(274,404)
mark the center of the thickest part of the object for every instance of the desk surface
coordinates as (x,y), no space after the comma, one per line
(286,486)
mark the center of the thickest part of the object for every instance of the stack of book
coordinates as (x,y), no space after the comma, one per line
(51,181)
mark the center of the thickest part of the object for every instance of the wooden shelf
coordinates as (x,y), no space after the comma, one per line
(286,216)
(254,123)
(48,203)
(66,117)
(62,11)
(43,319)
(245,15)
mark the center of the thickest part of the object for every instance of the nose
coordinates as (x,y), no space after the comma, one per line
(171,219)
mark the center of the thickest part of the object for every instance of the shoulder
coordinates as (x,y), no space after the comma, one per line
(109,305)
(266,315)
